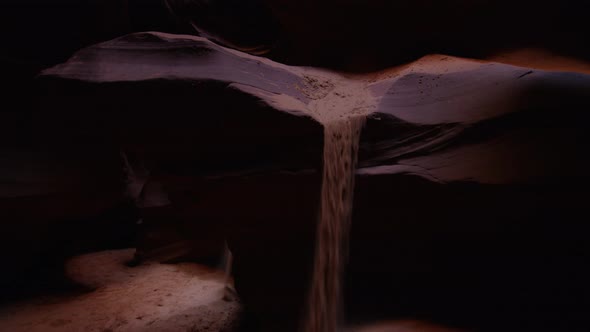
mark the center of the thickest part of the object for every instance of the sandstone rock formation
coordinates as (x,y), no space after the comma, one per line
(469,179)
(207,115)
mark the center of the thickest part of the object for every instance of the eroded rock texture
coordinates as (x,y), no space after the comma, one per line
(460,197)
(196,123)
(470,190)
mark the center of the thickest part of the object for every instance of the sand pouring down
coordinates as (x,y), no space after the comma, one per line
(340,149)
(342,111)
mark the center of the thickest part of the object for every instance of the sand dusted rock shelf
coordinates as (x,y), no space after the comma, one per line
(185,93)
(435,100)
(460,161)
(486,122)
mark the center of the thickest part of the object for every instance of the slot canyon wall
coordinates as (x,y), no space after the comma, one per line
(471,184)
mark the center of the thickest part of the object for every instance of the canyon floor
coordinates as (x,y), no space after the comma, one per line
(148,297)
(182,297)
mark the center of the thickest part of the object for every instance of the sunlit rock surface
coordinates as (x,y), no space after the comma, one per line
(470,175)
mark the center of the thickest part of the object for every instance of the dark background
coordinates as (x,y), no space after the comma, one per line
(346,34)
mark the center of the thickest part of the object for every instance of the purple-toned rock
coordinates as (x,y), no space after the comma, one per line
(189,116)
(470,174)
(470,179)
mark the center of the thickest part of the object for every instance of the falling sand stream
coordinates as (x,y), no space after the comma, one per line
(341,106)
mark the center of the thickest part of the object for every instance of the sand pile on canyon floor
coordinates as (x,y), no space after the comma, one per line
(149,297)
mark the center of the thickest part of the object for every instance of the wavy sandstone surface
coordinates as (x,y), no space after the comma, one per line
(458,161)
